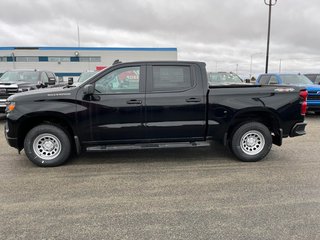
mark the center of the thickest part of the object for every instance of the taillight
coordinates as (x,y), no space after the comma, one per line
(304,106)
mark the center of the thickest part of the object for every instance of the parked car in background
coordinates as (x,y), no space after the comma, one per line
(314,77)
(16,81)
(313,100)
(86,75)
(223,78)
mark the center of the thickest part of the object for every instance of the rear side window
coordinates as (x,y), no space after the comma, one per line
(171,78)
(44,77)
(264,79)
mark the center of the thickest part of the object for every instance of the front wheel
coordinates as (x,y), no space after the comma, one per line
(251,142)
(47,145)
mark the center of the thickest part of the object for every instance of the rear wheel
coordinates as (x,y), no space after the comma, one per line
(251,142)
(47,145)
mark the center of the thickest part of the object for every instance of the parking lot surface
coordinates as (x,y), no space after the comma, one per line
(198,193)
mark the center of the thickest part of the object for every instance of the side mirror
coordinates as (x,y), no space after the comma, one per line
(70,80)
(88,89)
(52,81)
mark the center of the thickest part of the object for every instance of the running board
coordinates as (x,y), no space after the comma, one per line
(146,146)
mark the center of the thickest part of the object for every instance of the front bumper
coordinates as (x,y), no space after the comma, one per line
(298,129)
(2,105)
(13,142)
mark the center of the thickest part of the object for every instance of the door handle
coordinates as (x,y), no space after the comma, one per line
(134,101)
(193,99)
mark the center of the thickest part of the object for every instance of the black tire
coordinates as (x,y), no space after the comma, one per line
(47,145)
(251,142)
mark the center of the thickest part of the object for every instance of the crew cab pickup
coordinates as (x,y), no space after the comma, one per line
(313,100)
(16,81)
(151,105)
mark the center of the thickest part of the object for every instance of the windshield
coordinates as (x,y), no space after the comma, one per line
(293,79)
(84,76)
(27,76)
(223,78)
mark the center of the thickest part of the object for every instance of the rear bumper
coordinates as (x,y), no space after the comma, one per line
(298,129)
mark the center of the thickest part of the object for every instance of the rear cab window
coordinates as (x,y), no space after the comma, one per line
(171,78)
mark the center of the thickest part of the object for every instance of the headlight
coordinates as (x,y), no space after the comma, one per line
(10,106)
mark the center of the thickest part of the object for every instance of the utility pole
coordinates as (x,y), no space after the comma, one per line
(78,35)
(280,65)
(269,3)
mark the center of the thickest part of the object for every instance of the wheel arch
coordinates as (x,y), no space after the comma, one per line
(266,117)
(53,118)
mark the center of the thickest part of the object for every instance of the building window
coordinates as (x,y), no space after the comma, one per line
(59,59)
(74,59)
(49,59)
(90,59)
(43,59)
(26,59)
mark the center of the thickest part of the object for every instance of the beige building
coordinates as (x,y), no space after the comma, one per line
(71,61)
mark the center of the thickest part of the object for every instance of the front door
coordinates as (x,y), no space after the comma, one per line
(114,113)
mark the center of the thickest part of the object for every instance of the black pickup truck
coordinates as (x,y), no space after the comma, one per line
(150,105)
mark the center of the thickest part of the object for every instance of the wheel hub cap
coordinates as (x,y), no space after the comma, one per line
(47,146)
(252,142)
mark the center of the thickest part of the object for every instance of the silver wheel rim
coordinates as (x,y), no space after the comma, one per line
(47,146)
(252,142)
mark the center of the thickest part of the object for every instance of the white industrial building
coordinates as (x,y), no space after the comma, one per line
(72,61)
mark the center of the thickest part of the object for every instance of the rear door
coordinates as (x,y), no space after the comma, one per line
(175,102)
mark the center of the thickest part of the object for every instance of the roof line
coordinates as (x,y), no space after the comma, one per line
(93,48)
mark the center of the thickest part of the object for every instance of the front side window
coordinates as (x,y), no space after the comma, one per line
(264,79)
(221,78)
(273,80)
(20,76)
(295,79)
(123,80)
(171,78)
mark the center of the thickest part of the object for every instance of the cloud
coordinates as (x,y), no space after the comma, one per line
(225,34)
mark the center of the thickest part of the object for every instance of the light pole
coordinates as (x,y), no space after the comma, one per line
(251,56)
(271,3)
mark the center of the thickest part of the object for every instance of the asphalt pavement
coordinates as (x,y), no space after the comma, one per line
(196,193)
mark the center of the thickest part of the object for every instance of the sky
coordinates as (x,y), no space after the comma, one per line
(225,34)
